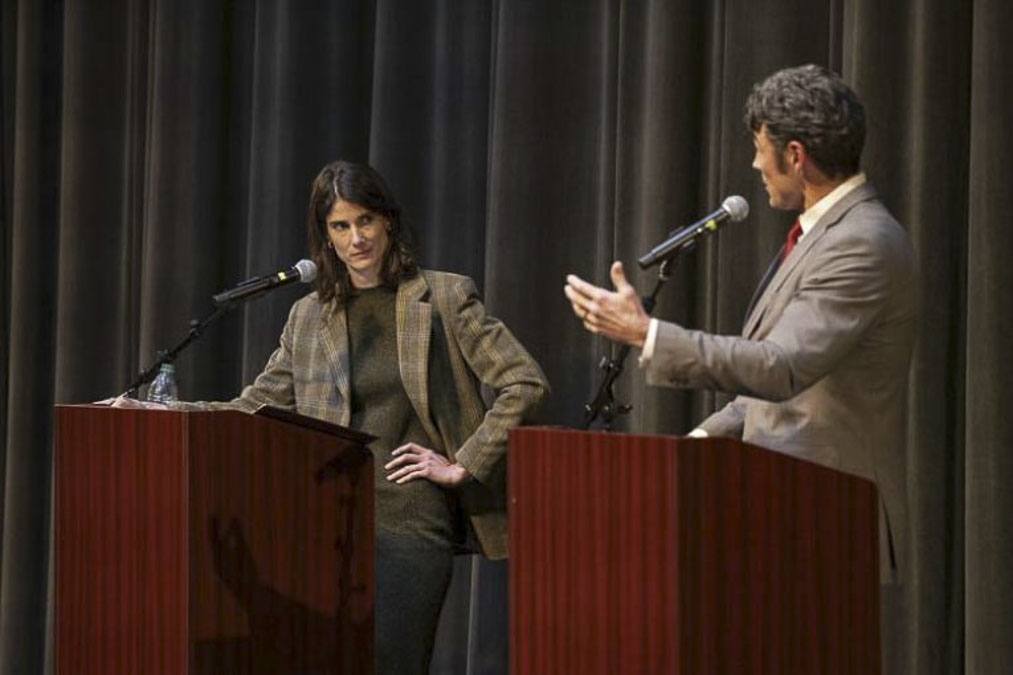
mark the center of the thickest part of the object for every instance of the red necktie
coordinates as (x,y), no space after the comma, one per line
(793,236)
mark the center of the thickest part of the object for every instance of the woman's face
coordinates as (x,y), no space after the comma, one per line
(360,238)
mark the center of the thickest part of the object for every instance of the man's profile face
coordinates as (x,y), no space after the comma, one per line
(784,186)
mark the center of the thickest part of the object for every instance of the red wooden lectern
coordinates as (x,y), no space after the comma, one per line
(653,554)
(211,542)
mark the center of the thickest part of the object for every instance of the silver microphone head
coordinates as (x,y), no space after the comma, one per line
(308,269)
(736,206)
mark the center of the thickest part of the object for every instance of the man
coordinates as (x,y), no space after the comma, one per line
(820,370)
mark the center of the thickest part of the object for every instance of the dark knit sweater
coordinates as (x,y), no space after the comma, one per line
(420,511)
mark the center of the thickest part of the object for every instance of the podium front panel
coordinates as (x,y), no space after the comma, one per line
(654,554)
(210,542)
(120,529)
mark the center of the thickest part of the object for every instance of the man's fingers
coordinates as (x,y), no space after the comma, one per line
(583,288)
(619,277)
(580,303)
(575,298)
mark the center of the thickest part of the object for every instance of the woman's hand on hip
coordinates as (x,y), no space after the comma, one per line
(413,461)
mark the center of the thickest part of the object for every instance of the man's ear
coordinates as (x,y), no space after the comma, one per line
(795,156)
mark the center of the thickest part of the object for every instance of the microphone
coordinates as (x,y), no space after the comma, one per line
(304,271)
(733,208)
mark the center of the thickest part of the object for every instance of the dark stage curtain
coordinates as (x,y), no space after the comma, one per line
(153,153)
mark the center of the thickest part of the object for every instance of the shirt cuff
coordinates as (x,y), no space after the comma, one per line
(698,433)
(648,351)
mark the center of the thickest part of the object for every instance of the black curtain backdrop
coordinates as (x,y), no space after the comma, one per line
(153,153)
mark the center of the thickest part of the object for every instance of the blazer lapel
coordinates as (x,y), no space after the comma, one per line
(862,193)
(764,282)
(334,341)
(414,323)
(782,273)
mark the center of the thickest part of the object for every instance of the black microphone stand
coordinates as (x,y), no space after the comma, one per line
(168,356)
(224,301)
(604,404)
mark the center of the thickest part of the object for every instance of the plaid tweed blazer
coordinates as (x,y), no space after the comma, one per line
(448,349)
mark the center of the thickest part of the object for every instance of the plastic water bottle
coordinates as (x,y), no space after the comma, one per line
(163,388)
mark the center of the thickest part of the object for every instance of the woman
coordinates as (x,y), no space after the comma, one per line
(401,353)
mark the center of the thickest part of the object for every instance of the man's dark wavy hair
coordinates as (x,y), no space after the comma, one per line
(813,106)
(361,185)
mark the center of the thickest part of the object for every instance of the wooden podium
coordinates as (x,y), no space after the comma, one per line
(652,554)
(211,542)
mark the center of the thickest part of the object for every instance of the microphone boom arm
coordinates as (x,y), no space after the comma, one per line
(604,404)
(304,271)
(168,356)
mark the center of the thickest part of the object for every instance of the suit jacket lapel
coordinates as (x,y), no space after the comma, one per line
(414,323)
(862,193)
(334,341)
(764,282)
(782,273)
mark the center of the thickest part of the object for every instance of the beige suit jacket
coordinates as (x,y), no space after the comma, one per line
(448,348)
(821,367)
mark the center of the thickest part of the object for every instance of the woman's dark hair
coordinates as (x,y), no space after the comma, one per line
(813,106)
(361,185)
